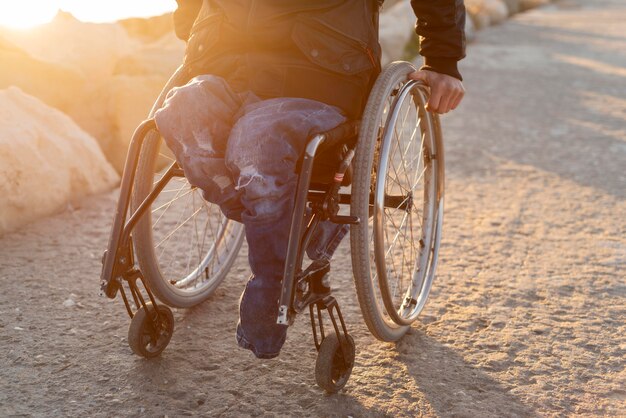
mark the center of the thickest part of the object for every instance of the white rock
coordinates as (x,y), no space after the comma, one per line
(57,85)
(69,65)
(530,4)
(397,24)
(470,31)
(90,48)
(150,28)
(68,303)
(513,6)
(486,12)
(160,57)
(46,160)
(130,98)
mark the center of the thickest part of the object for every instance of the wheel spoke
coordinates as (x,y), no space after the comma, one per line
(177,228)
(166,207)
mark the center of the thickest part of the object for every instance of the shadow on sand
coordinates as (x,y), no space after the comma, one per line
(451,385)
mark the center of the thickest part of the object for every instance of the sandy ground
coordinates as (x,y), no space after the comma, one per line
(527,316)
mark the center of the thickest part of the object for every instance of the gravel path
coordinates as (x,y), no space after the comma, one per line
(527,316)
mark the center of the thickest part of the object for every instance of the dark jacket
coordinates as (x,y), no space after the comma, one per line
(326,50)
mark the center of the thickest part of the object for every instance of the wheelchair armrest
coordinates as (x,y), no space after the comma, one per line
(346,133)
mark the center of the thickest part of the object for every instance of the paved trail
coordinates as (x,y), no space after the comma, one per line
(527,317)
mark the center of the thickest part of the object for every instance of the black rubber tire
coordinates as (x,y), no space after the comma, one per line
(331,372)
(143,239)
(368,293)
(140,330)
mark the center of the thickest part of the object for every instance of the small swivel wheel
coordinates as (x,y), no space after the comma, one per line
(332,370)
(148,333)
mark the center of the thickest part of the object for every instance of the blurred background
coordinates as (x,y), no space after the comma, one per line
(102,65)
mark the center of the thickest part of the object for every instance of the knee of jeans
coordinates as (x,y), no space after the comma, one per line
(201,91)
(264,196)
(185,93)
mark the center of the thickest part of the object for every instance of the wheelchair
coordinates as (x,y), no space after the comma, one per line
(170,248)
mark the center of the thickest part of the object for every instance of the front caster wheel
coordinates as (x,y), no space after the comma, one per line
(148,335)
(332,371)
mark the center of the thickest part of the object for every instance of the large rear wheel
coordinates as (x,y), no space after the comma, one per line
(398,189)
(184,245)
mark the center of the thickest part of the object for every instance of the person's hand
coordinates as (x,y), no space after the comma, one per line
(446,92)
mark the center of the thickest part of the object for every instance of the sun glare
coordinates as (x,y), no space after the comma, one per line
(25,15)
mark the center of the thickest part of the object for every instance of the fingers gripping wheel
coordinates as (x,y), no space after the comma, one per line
(150,332)
(334,363)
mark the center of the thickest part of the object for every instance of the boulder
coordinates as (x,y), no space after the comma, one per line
(148,29)
(136,83)
(131,98)
(79,73)
(530,4)
(160,57)
(57,85)
(46,160)
(397,24)
(513,6)
(470,31)
(88,48)
(62,88)
(485,13)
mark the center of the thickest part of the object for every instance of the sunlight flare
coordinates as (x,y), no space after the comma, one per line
(25,14)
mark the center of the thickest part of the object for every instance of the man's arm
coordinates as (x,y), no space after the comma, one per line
(441,28)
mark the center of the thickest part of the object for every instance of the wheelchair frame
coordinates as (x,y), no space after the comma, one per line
(298,290)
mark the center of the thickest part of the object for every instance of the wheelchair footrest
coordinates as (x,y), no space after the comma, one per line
(312,284)
(330,305)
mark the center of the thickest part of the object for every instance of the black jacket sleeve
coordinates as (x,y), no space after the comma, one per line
(441,29)
(184,16)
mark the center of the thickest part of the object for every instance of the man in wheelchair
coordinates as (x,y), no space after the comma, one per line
(265,76)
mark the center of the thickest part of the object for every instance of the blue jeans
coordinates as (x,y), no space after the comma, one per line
(242,152)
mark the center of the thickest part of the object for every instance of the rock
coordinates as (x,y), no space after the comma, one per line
(89,48)
(470,32)
(69,303)
(513,6)
(486,12)
(162,57)
(148,29)
(131,98)
(58,86)
(530,4)
(73,75)
(46,160)
(397,24)
(479,20)
(80,75)
(61,88)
